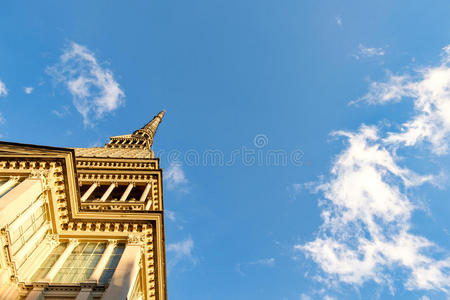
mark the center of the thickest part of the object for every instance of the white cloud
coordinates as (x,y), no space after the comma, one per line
(180,251)
(364,51)
(385,92)
(170,215)
(430,92)
(2,121)
(305,297)
(367,207)
(93,88)
(367,217)
(175,179)
(339,21)
(58,113)
(268,262)
(28,90)
(294,189)
(3,90)
(62,112)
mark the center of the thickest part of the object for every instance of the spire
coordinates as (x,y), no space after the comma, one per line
(149,130)
(141,138)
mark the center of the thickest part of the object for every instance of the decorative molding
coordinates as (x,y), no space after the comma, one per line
(136,239)
(103,177)
(116,205)
(16,179)
(40,285)
(149,268)
(112,242)
(52,240)
(150,164)
(39,174)
(75,242)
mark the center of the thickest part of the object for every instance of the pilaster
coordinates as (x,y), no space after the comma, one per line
(61,260)
(97,273)
(124,277)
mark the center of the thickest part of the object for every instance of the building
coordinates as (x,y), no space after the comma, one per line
(83,223)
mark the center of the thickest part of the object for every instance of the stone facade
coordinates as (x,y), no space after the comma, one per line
(83,223)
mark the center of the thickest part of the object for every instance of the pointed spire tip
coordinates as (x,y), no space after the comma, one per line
(162,113)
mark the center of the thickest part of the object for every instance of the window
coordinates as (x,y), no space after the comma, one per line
(49,262)
(112,264)
(26,230)
(81,263)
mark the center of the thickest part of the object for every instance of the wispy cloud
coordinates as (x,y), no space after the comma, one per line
(294,189)
(170,215)
(366,230)
(385,92)
(264,261)
(62,112)
(181,251)
(317,294)
(429,90)
(28,90)
(338,20)
(364,51)
(3,90)
(94,90)
(305,297)
(3,93)
(268,262)
(175,179)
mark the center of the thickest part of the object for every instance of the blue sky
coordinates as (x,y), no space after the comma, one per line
(332,119)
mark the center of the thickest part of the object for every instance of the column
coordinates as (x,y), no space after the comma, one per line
(146,191)
(38,291)
(60,262)
(84,294)
(103,261)
(89,192)
(19,199)
(86,290)
(9,184)
(108,192)
(148,204)
(127,192)
(35,294)
(125,274)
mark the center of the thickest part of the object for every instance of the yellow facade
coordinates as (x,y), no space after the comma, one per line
(83,223)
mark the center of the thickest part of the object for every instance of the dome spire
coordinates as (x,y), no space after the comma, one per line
(141,138)
(148,131)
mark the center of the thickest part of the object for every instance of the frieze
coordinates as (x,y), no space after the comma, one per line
(92,164)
